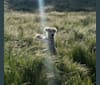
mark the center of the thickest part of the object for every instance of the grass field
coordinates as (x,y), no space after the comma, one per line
(75,43)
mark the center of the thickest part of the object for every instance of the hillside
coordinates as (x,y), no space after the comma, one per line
(26,62)
(51,5)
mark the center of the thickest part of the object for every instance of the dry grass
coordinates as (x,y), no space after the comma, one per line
(24,56)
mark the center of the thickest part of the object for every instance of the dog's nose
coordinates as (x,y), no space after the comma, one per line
(52,35)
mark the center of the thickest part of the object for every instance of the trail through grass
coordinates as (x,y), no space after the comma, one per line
(75,43)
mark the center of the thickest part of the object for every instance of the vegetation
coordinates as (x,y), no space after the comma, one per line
(25,62)
(51,5)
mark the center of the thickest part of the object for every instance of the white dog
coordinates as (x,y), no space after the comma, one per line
(48,38)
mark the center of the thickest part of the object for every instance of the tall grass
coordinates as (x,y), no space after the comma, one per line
(75,43)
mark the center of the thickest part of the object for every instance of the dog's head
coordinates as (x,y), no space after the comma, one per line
(50,30)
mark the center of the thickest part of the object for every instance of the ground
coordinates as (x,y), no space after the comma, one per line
(75,42)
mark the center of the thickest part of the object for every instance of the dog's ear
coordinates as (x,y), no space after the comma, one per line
(49,29)
(54,29)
